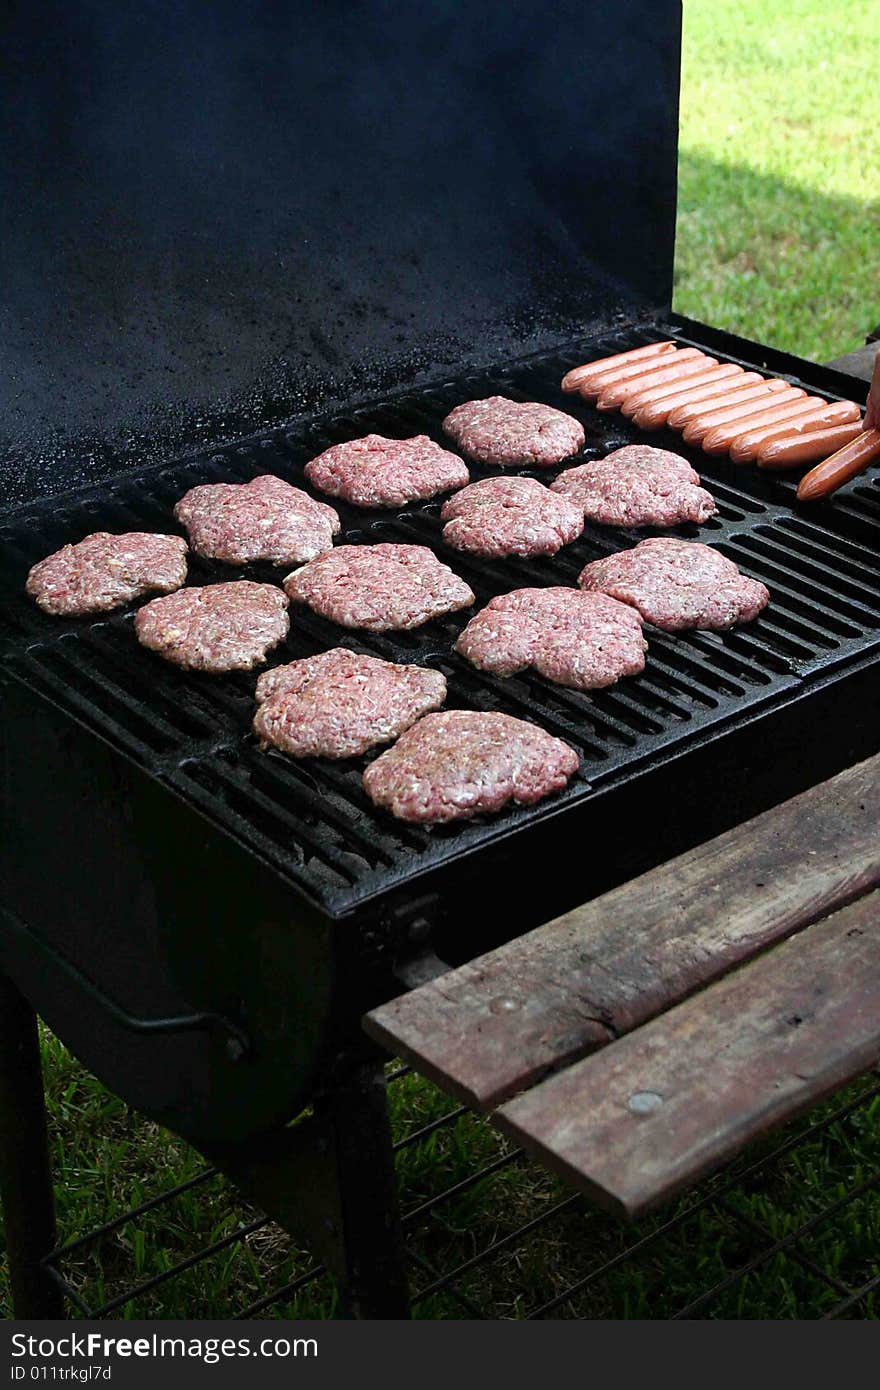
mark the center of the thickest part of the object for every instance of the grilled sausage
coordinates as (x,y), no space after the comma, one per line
(653,406)
(634,371)
(650,415)
(578,376)
(745,448)
(719,440)
(633,379)
(735,407)
(847,463)
(793,450)
(724,395)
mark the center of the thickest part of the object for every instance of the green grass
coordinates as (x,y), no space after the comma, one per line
(107,1159)
(779,182)
(779,239)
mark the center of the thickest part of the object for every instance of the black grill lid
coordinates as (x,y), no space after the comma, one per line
(215,217)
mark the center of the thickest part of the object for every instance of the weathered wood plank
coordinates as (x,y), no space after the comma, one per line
(499,1023)
(642,1119)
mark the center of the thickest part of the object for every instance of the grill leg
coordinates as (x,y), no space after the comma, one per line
(371,1237)
(330,1180)
(374,1283)
(25,1176)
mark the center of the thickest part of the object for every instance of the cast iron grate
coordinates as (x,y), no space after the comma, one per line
(311,820)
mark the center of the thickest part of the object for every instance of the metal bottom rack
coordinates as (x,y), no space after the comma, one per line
(505,1240)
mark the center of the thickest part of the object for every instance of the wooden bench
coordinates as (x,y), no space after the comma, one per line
(641,1040)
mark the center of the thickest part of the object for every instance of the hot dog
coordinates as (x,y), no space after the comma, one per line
(847,463)
(730,398)
(726,395)
(745,448)
(631,380)
(635,371)
(736,407)
(673,375)
(573,380)
(719,440)
(793,450)
(652,407)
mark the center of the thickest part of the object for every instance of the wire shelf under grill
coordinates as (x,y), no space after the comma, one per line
(311,819)
(786,1231)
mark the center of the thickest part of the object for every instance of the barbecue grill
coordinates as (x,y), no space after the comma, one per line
(231,246)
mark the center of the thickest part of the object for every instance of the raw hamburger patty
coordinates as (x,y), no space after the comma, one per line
(514,433)
(223,627)
(265,519)
(338,704)
(458,763)
(379,586)
(104,571)
(510,516)
(379,472)
(581,640)
(677,584)
(637,486)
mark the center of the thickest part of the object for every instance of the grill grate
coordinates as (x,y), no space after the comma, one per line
(311,819)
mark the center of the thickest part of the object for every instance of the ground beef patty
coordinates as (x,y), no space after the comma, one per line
(510,516)
(379,586)
(338,704)
(104,571)
(458,763)
(678,584)
(265,519)
(514,433)
(581,640)
(379,472)
(223,627)
(637,486)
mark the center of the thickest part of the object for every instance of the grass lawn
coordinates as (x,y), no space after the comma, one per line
(779,239)
(108,1159)
(779,182)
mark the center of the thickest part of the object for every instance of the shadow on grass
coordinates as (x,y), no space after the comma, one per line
(775,261)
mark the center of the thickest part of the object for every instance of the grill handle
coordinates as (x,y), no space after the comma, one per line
(238,1043)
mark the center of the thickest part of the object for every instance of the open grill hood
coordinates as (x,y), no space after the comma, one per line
(216,217)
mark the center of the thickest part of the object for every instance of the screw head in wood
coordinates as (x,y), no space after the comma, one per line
(503,1006)
(644,1102)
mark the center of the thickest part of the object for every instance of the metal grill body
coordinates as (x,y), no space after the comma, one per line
(191,854)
